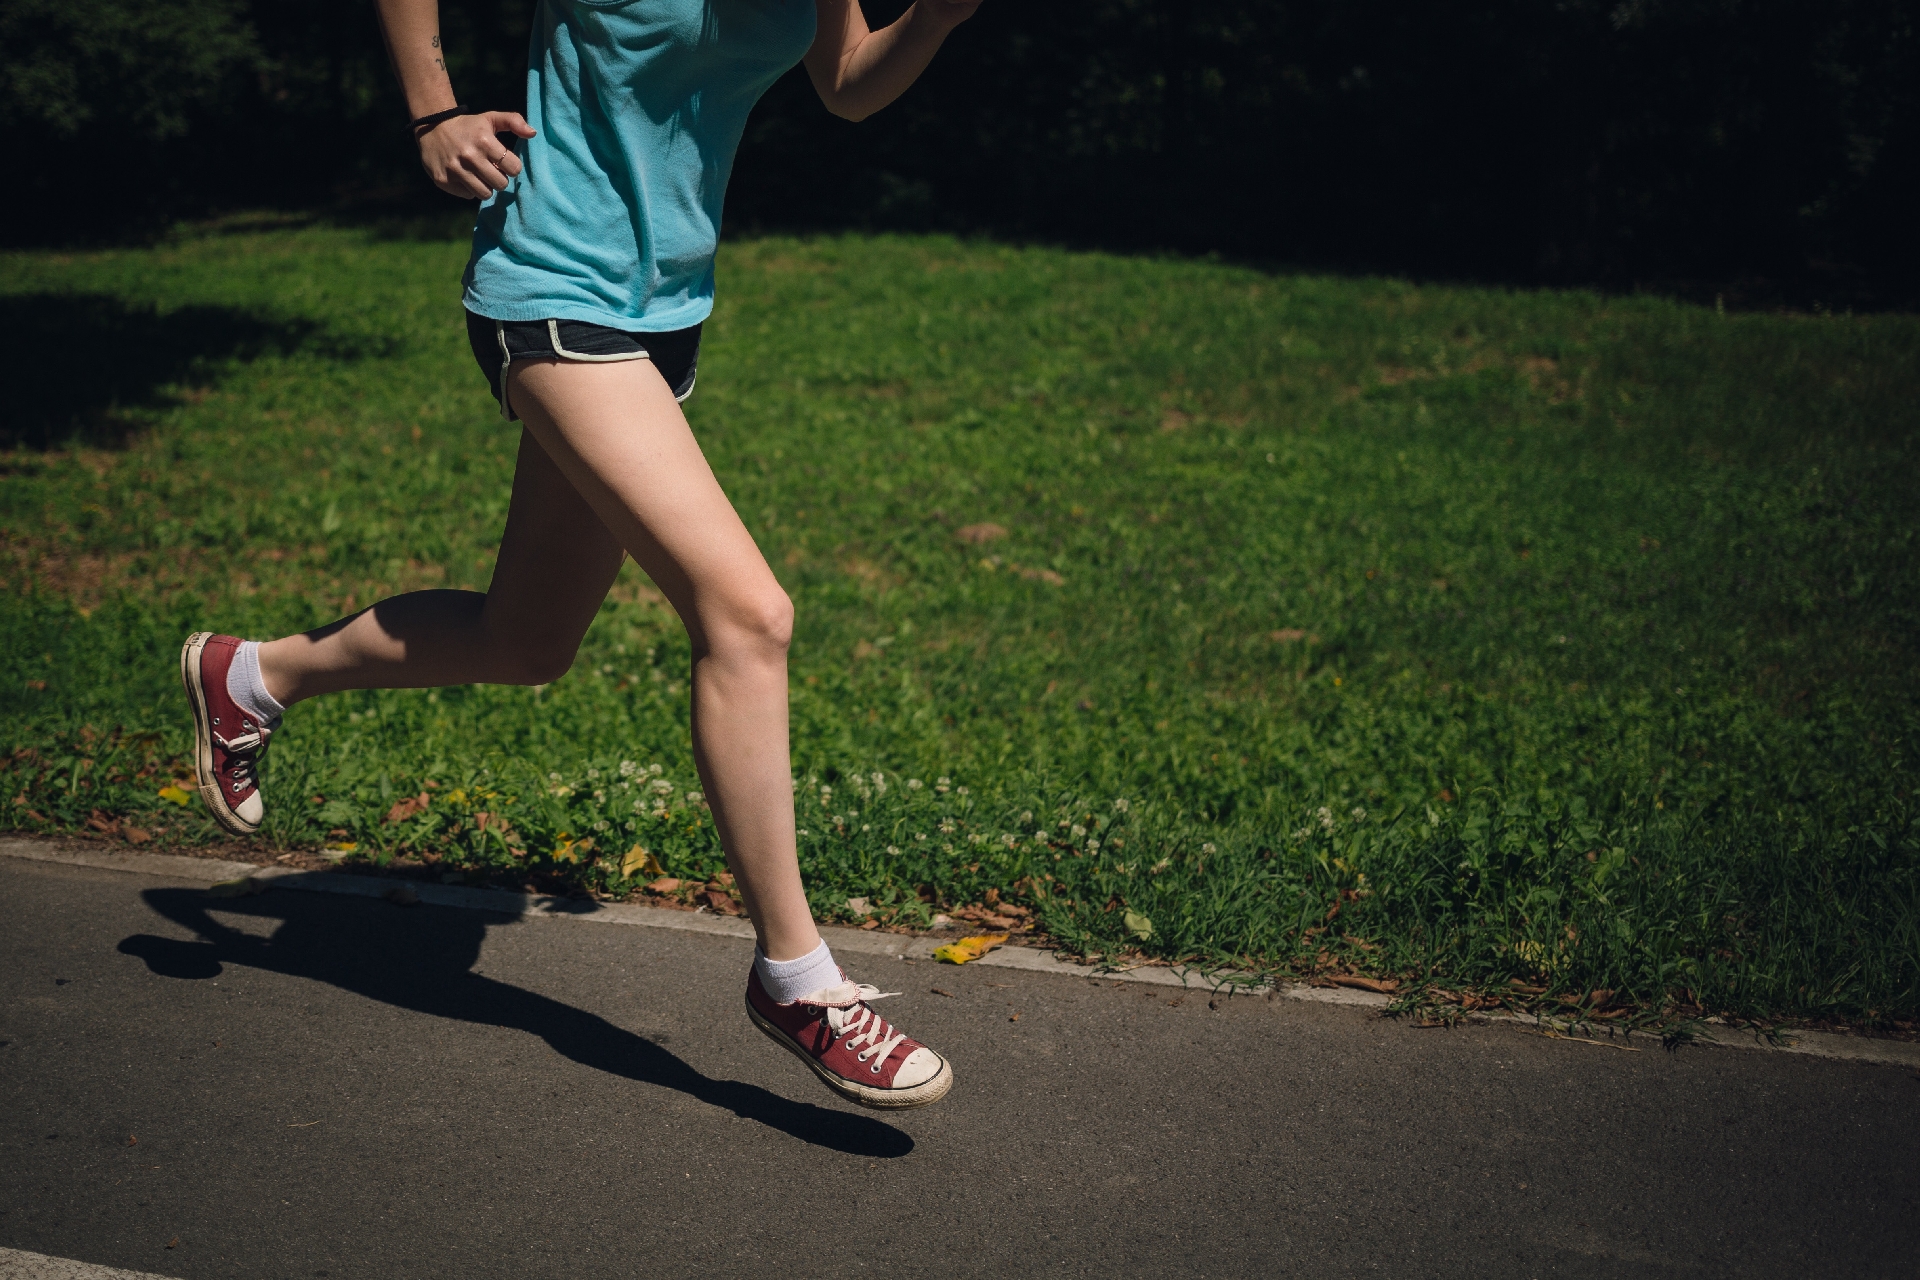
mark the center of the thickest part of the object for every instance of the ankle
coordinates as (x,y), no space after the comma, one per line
(789,980)
(280,682)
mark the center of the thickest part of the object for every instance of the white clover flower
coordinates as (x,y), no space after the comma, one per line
(961,791)
(1121,806)
(914,784)
(1093,846)
(553,777)
(949,826)
(639,806)
(1027,816)
(1302,833)
(852,814)
(1207,848)
(800,831)
(655,770)
(1358,812)
(695,797)
(943,782)
(893,850)
(866,826)
(1010,840)
(979,837)
(1076,831)
(628,768)
(602,825)
(826,794)
(1326,818)
(880,783)
(1159,866)
(919,835)
(662,786)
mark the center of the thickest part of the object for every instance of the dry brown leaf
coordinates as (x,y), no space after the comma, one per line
(404,809)
(665,884)
(1384,986)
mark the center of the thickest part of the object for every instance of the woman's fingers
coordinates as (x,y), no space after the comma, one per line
(464,158)
(508,122)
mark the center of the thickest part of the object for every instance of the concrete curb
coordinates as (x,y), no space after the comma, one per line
(1820,1044)
(17,1264)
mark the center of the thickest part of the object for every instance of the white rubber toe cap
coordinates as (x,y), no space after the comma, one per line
(921,1066)
(251,810)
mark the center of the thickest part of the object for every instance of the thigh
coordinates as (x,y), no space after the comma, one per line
(557,559)
(617,434)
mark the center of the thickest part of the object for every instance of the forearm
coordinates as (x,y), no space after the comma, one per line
(412,28)
(871,72)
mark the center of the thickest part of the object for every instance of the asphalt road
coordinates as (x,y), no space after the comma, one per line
(300,1085)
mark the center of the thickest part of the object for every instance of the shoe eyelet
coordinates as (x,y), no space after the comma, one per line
(875,1068)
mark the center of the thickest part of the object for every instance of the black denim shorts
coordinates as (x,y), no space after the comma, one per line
(498,343)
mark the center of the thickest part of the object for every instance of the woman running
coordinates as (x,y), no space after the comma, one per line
(592,270)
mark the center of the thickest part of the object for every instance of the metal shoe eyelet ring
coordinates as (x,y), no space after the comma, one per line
(875,1068)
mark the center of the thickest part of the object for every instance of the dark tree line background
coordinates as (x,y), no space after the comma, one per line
(1765,148)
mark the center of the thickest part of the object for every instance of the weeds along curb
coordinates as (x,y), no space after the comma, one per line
(1820,1044)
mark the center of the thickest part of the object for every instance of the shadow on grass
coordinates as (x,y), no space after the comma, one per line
(99,365)
(423,962)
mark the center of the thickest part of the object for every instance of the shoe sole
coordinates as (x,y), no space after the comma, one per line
(203,739)
(920,1095)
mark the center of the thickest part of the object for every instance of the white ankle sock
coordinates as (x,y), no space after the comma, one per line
(790,980)
(245,686)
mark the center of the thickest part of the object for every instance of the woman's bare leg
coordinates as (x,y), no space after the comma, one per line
(556,562)
(615,432)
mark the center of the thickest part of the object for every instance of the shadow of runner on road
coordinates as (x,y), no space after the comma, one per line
(422,961)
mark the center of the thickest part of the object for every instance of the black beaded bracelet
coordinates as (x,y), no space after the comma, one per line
(426,123)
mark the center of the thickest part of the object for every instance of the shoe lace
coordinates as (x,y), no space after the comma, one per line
(862,1026)
(243,752)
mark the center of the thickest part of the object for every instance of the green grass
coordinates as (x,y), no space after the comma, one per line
(1545,635)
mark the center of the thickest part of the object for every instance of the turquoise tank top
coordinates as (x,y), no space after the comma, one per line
(640,105)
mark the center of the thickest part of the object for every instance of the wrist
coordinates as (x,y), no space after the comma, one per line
(421,126)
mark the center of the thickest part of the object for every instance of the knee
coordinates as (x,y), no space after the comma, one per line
(537,664)
(759,626)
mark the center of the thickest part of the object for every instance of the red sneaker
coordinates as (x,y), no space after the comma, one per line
(227,741)
(855,1053)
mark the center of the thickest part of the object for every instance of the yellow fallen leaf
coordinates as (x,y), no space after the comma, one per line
(968,948)
(342,846)
(1138,925)
(244,887)
(177,795)
(639,862)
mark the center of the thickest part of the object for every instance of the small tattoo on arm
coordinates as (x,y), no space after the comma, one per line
(436,42)
(440,64)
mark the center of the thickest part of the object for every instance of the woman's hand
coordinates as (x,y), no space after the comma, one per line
(463,157)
